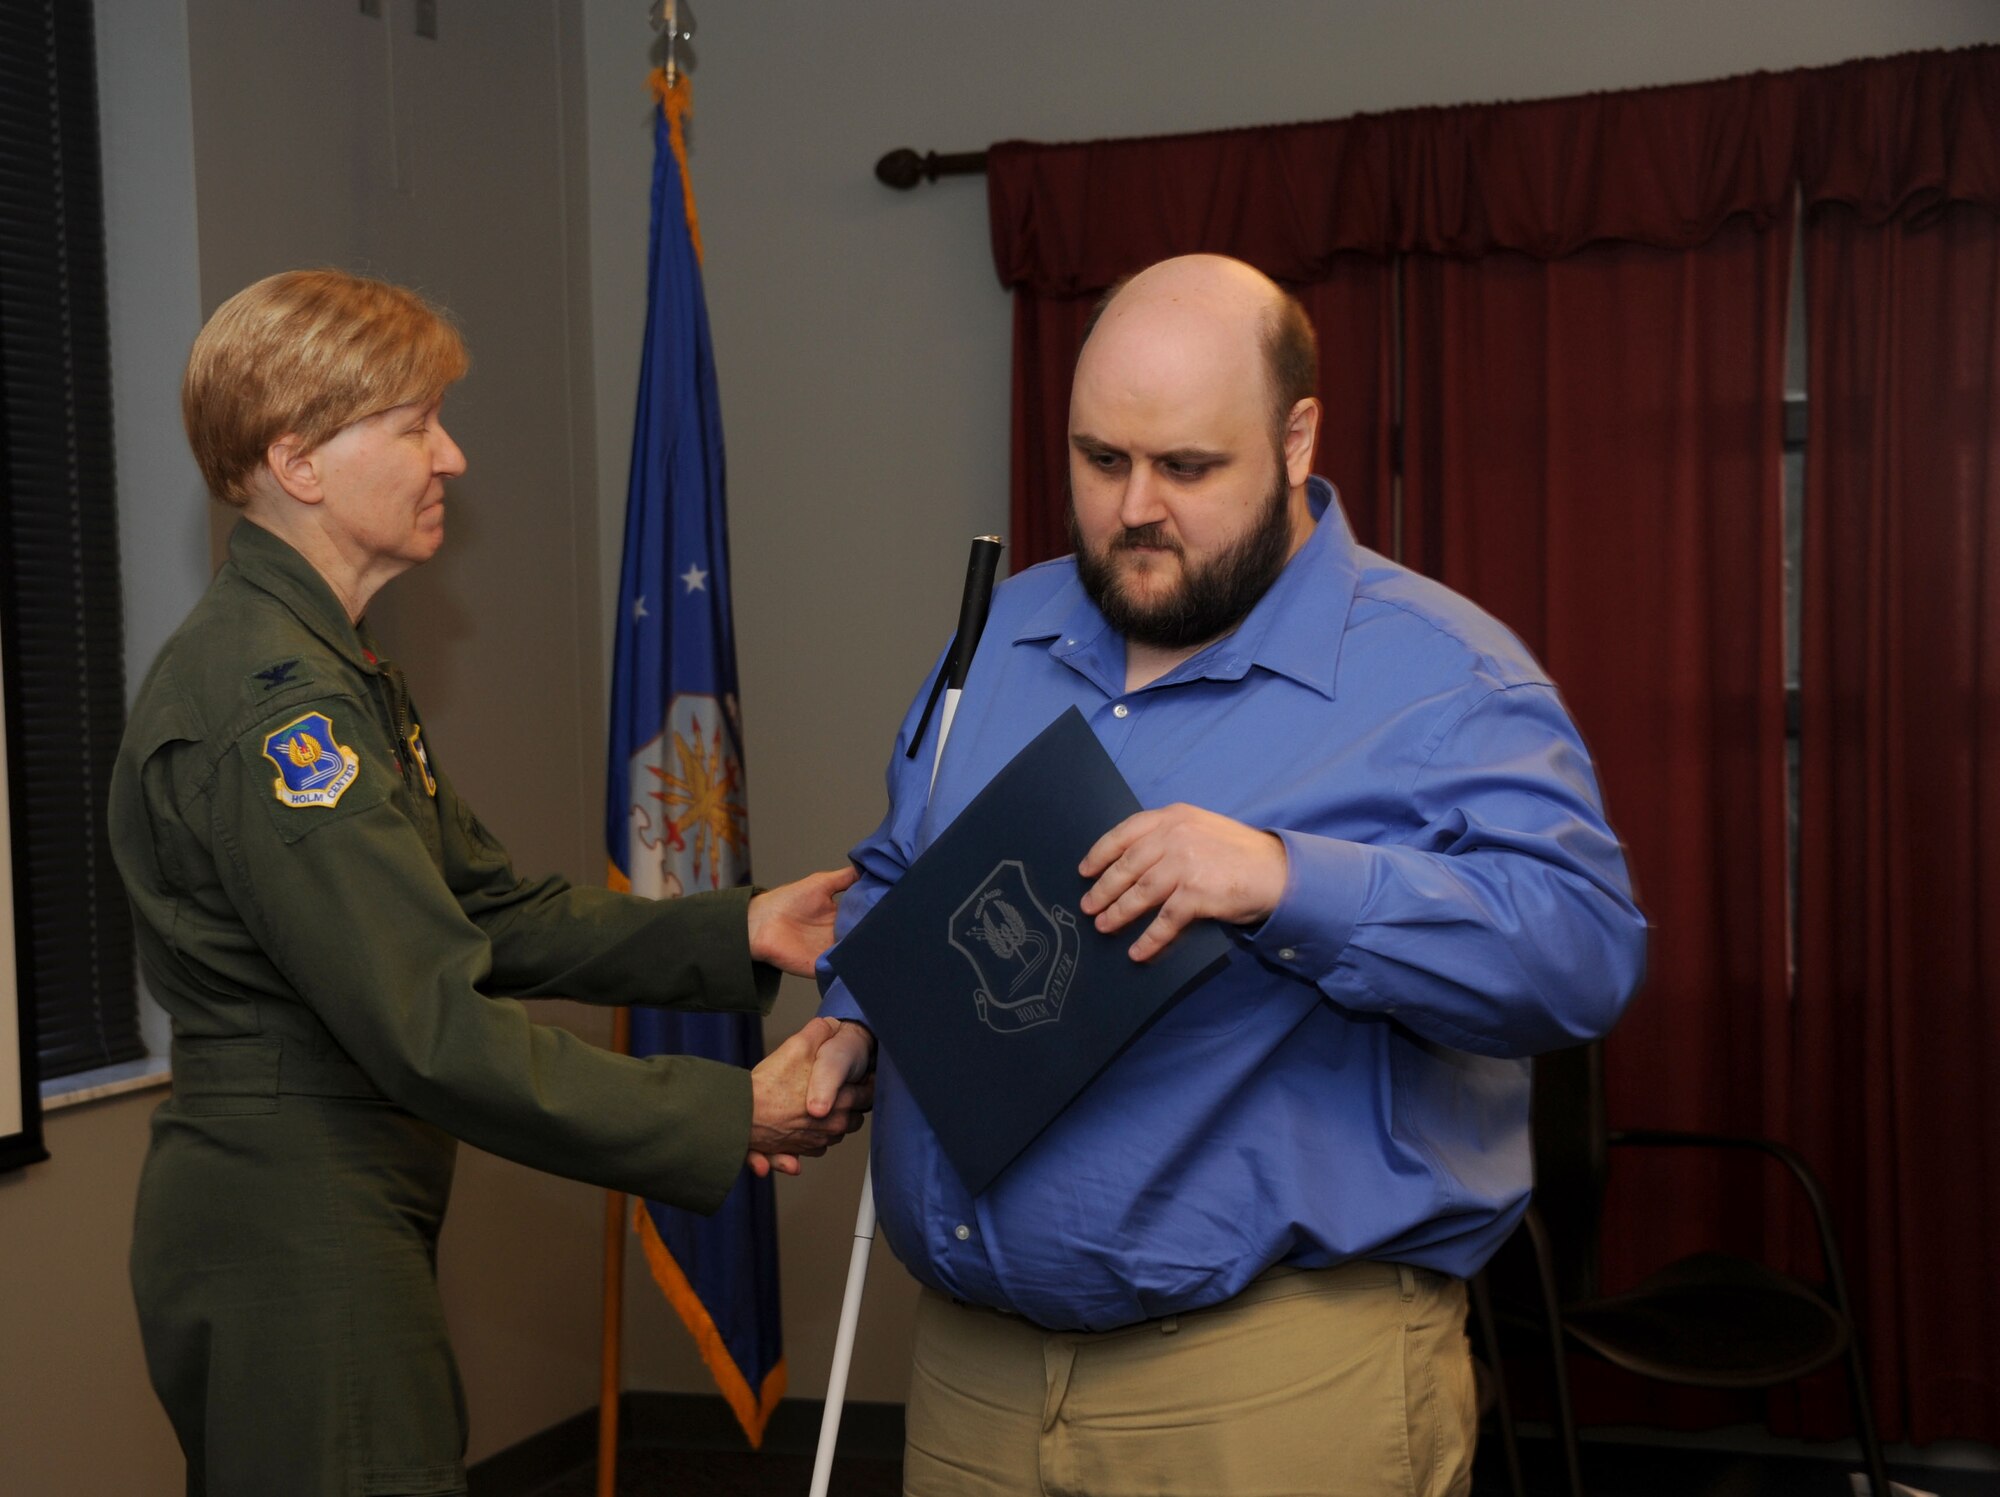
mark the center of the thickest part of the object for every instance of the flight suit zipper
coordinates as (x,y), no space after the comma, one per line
(393,701)
(390,681)
(399,713)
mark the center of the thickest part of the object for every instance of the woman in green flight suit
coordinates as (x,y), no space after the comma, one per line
(338,941)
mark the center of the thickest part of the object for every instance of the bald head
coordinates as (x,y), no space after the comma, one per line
(1214,306)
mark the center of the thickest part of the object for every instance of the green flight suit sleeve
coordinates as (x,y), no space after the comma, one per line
(337,886)
(552,938)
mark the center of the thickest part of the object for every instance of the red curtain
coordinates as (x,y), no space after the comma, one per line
(1324,208)
(1594,449)
(1898,1013)
(1591,327)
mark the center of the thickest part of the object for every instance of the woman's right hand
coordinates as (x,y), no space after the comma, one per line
(809,1093)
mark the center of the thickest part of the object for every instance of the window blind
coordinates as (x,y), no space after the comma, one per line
(60,608)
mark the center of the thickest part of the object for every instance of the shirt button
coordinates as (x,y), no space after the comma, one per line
(1121,710)
(1287,954)
(961,1231)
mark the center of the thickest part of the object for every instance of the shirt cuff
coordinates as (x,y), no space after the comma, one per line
(1326,883)
(838,1003)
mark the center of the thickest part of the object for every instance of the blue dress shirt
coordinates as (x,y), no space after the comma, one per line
(1354,1083)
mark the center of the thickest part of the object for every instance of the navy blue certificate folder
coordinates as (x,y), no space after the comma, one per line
(994,995)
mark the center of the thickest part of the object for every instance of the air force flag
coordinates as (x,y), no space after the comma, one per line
(675,819)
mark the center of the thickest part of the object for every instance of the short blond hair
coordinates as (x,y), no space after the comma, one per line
(308,352)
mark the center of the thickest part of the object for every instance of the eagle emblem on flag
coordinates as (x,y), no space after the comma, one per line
(688,811)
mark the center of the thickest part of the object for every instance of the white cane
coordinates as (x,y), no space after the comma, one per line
(979,572)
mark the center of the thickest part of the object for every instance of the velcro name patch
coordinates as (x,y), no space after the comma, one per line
(422,759)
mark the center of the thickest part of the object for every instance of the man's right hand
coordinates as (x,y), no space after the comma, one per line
(809,1093)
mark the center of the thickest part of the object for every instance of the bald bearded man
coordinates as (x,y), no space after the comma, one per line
(1236,1264)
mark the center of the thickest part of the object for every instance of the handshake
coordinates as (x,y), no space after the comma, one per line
(815,1088)
(809,1093)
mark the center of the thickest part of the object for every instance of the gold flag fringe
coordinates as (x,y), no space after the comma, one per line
(677,100)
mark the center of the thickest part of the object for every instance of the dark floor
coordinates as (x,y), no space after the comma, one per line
(678,1445)
(1653,1471)
(730,1473)
(1609,1471)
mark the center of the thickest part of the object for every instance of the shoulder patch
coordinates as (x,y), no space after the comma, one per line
(314,767)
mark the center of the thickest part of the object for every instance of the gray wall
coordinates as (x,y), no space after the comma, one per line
(863,348)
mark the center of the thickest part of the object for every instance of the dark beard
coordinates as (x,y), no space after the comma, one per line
(1211,599)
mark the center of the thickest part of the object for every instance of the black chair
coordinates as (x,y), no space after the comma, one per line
(1711,1320)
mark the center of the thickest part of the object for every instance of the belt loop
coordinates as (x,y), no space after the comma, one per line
(1169,1325)
(1058,1360)
(1406,1277)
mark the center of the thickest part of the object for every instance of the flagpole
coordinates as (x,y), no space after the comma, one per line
(980,568)
(614,1307)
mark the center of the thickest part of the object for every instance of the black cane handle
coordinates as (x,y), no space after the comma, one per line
(980,569)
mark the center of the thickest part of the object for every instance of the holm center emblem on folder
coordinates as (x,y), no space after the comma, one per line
(1024,953)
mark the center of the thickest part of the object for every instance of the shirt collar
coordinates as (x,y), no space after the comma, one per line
(267,562)
(1295,629)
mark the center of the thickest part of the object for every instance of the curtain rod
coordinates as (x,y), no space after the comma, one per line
(901,169)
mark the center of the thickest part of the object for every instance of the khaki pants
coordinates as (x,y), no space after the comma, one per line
(1350,1380)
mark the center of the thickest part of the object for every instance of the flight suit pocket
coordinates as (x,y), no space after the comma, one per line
(225,1078)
